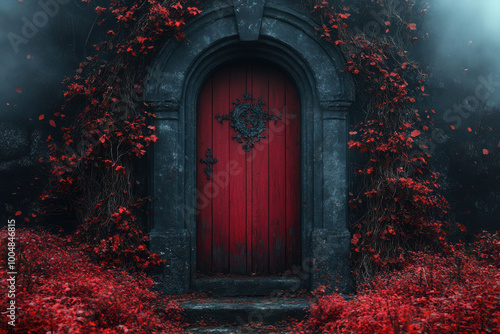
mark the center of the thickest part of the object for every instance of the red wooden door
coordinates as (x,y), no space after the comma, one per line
(249,203)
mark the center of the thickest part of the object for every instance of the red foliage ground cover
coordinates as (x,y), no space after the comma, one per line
(58,290)
(448,293)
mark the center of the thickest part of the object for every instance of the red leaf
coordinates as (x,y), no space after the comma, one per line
(194,11)
(412,26)
(120,169)
(469,129)
(18,213)
(485,151)
(42,116)
(99,10)
(52,123)
(415,133)
(19,90)
(452,127)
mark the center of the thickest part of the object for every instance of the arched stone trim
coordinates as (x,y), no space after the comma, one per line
(288,40)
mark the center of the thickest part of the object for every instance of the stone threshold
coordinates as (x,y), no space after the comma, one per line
(235,330)
(248,286)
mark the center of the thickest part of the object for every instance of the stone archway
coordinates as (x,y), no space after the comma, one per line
(274,33)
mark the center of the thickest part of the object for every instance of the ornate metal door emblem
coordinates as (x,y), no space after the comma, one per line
(248,119)
(209,162)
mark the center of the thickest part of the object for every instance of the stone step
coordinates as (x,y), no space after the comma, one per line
(244,311)
(247,286)
(216,330)
(235,330)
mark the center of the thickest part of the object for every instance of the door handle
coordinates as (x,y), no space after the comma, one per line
(209,161)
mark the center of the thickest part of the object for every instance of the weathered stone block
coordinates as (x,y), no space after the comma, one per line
(174,248)
(331,266)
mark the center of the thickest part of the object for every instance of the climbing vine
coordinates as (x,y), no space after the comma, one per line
(398,207)
(92,172)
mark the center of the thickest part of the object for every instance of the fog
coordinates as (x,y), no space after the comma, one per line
(41,42)
(465,41)
(462,54)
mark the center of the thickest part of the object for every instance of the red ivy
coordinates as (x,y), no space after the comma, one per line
(400,208)
(93,167)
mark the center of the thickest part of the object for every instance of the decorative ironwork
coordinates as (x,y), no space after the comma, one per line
(209,162)
(249,120)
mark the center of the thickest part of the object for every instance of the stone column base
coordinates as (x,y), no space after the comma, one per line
(174,248)
(331,263)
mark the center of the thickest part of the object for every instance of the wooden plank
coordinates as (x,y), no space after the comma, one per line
(204,203)
(293,253)
(220,211)
(260,181)
(277,171)
(248,188)
(238,181)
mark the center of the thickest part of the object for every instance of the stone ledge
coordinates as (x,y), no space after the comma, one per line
(243,311)
(247,286)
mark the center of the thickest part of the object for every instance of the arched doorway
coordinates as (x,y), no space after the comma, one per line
(275,33)
(248,171)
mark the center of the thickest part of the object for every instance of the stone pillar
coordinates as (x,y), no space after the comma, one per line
(168,237)
(330,238)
